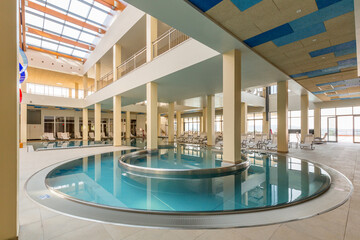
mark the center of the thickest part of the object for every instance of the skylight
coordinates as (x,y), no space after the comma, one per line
(55,32)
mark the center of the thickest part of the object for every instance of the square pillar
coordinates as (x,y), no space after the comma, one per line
(232,106)
(23,123)
(117,120)
(128,125)
(97,76)
(317,122)
(116,60)
(151,36)
(210,120)
(97,114)
(77,90)
(304,116)
(204,119)
(85,85)
(151,115)
(9,121)
(85,126)
(178,124)
(159,125)
(243,120)
(171,122)
(282,116)
(265,125)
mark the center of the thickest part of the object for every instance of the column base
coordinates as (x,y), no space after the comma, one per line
(282,151)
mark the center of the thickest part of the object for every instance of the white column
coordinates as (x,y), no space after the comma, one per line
(128,125)
(151,114)
(232,106)
(85,130)
(9,121)
(76,123)
(265,125)
(117,120)
(116,60)
(317,122)
(210,120)
(151,35)
(85,85)
(97,76)
(204,119)
(243,120)
(76,90)
(159,124)
(23,123)
(97,113)
(282,115)
(178,124)
(304,116)
(171,122)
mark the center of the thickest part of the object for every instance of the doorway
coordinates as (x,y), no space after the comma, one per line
(356,129)
(345,129)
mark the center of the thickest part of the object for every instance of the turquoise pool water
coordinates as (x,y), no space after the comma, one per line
(270,181)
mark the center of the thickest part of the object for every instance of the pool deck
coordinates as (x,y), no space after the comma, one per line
(342,223)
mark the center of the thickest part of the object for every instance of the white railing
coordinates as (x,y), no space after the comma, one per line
(48,90)
(132,63)
(168,40)
(105,80)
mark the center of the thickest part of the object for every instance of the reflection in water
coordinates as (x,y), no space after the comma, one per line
(269,181)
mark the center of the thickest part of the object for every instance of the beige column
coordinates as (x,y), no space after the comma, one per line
(85,130)
(9,122)
(77,90)
(97,76)
(243,120)
(116,60)
(151,114)
(171,122)
(128,125)
(232,106)
(23,123)
(70,93)
(117,120)
(317,122)
(159,125)
(265,125)
(304,116)
(178,124)
(97,113)
(151,36)
(204,119)
(282,116)
(85,85)
(201,125)
(210,120)
(23,87)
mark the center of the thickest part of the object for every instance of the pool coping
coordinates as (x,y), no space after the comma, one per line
(338,193)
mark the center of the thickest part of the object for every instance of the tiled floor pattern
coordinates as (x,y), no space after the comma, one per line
(39,223)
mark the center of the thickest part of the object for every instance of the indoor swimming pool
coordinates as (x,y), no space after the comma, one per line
(271,181)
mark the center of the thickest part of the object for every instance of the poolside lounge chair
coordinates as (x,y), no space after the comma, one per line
(103,136)
(255,143)
(308,142)
(77,135)
(65,136)
(319,140)
(48,136)
(272,144)
(91,135)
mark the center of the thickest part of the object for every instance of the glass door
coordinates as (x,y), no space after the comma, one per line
(332,129)
(356,129)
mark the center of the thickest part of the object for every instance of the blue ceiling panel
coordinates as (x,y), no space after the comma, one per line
(348,98)
(242,5)
(352,62)
(344,94)
(337,48)
(300,34)
(325,3)
(205,5)
(331,90)
(270,35)
(345,52)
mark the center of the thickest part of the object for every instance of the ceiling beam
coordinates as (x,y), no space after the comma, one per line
(113,4)
(60,39)
(64,17)
(56,53)
(22,26)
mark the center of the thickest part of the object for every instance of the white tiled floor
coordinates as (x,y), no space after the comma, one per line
(342,223)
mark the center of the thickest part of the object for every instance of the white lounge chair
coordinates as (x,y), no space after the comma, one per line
(49,136)
(272,144)
(255,143)
(308,142)
(91,135)
(103,136)
(319,140)
(78,135)
(65,136)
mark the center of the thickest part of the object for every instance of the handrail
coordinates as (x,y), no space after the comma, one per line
(132,57)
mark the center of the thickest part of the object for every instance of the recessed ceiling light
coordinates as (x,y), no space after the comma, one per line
(298,11)
(314,40)
(323,57)
(58,83)
(289,90)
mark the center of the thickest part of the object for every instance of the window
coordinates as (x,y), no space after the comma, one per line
(294,120)
(192,124)
(255,121)
(273,89)
(311,119)
(356,110)
(273,122)
(219,123)
(49,126)
(47,90)
(344,111)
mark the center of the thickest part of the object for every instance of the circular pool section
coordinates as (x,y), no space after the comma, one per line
(271,181)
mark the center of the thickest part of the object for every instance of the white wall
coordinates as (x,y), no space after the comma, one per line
(293,104)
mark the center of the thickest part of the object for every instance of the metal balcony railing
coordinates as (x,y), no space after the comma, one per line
(167,41)
(132,63)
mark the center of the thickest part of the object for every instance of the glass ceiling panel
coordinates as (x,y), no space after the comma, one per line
(87,11)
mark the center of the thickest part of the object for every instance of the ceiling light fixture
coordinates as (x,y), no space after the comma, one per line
(314,40)
(59,83)
(298,11)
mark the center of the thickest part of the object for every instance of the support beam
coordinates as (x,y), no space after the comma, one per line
(117,120)
(178,124)
(56,53)
(128,125)
(204,119)
(232,106)
(151,36)
(115,5)
(64,17)
(77,90)
(60,39)
(85,125)
(159,125)
(23,123)
(85,85)
(243,118)
(210,120)
(317,122)
(171,122)
(97,113)
(304,116)
(97,70)
(151,115)
(9,121)
(116,60)
(282,116)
